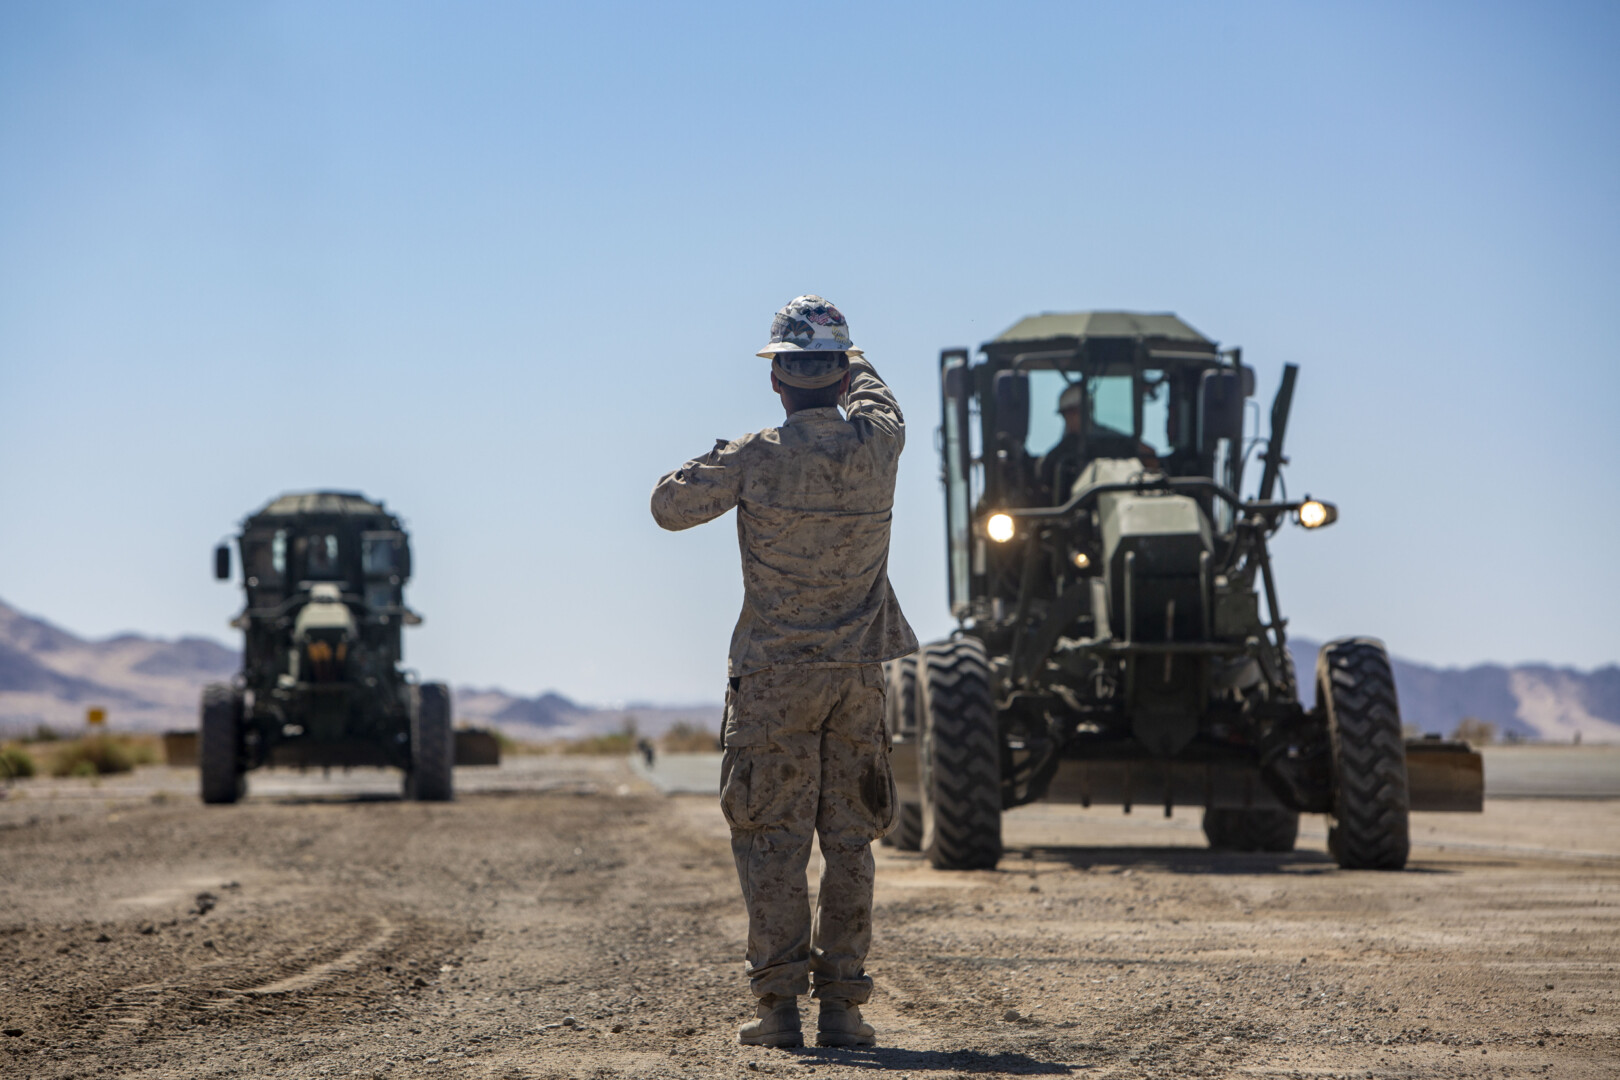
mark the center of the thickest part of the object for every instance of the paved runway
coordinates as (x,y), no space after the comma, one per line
(1552,772)
(1511,772)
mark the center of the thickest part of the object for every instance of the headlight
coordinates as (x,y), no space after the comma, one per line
(999,528)
(1081,560)
(1313,513)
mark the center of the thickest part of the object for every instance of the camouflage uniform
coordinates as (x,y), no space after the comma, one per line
(805,747)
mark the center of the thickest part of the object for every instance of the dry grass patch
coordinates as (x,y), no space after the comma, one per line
(15,763)
(689,739)
(617,744)
(97,755)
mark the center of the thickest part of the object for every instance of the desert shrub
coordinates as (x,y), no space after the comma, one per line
(1477,731)
(686,738)
(511,747)
(618,743)
(93,755)
(15,763)
(519,748)
(43,733)
(143,749)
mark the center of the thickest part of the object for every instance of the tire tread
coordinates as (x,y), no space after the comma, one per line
(219,730)
(962,742)
(1371,802)
(433,748)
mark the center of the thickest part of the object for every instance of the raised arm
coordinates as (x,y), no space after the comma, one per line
(699,491)
(871,405)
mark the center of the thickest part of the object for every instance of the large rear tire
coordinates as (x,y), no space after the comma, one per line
(433,746)
(907,835)
(960,758)
(219,745)
(1232,829)
(900,714)
(1355,686)
(900,707)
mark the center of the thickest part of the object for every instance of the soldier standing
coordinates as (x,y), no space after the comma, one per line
(806,752)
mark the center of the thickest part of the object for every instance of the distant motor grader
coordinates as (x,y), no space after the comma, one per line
(324,575)
(1107,578)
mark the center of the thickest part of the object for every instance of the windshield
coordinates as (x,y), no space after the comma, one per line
(1109,411)
(1109,407)
(320,552)
(1045,425)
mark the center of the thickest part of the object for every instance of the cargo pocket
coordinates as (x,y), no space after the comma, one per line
(742,735)
(736,768)
(886,810)
(878,793)
(741,726)
(725,713)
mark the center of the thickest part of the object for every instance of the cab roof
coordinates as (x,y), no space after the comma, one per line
(300,503)
(1058,329)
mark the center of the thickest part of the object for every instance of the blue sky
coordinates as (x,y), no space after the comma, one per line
(503,264)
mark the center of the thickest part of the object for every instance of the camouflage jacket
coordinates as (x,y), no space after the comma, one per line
(814,499)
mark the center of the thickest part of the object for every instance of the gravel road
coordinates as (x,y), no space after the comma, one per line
(574,923)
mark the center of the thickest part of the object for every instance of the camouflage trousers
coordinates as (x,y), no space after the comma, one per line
(806,755)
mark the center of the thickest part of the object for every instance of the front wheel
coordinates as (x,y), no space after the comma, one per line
(219,745)
(960,758)
(1371,804)
(1251,830)
(433,746)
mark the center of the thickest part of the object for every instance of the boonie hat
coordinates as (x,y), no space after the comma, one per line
(1073,397)
(809,325)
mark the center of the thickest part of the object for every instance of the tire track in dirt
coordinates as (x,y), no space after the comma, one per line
(319,974)
(225,985)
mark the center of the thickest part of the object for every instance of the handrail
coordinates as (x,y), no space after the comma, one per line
(1253,507)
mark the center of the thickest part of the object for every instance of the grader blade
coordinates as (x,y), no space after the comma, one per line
(1445,775)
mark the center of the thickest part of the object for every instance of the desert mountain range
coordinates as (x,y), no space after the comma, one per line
(50,676)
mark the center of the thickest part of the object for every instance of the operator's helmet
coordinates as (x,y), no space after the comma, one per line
(1073,397)
(809,346)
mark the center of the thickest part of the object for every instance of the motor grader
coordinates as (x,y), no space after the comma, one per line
(324,575)
(1119,636)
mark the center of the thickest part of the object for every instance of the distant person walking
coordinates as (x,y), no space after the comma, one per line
(806,753)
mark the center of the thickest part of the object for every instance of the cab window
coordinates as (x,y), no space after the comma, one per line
(381,594)
(1045,425)
(380,555)
(1156,411)
(264,558)
(1113,406)
(321,557)
(1169,425)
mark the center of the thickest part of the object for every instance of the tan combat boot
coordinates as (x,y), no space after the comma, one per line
(840,1024)
(777,1026)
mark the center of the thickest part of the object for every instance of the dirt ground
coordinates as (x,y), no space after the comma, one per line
(588,927)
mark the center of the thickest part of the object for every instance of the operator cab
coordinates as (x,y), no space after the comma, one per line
(334,539)
(1058,392)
